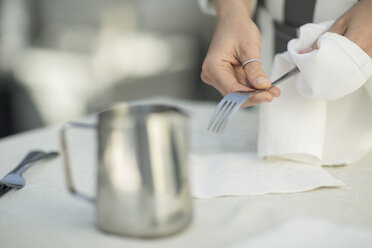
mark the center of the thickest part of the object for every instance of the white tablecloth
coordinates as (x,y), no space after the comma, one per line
(43,214)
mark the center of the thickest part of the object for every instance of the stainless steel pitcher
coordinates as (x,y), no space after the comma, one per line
(143,187)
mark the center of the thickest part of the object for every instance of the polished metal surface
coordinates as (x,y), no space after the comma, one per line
(14,179)
(231,103)
(143,187)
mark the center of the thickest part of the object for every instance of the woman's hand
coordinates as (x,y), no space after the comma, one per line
(236,39)
(356,25)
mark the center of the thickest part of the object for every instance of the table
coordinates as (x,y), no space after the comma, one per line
(44,214)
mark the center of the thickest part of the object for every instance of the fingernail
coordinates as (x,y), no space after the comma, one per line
(262,80)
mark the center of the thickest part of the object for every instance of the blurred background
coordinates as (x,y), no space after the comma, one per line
(63,59)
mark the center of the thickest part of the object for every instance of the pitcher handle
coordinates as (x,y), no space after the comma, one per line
(65,156)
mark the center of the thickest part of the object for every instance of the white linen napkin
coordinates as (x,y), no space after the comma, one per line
(234,174)
(324,115)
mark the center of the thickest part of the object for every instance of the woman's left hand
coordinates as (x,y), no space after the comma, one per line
(356,25)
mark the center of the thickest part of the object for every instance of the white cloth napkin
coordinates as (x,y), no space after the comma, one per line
(234,174)
(324,115)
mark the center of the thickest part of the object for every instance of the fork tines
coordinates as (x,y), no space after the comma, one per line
(225,110)
(231,103)
(3,189)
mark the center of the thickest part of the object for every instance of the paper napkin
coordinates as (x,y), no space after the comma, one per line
(234,174)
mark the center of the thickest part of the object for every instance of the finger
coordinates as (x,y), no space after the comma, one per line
(224,79)
(314,46)
(275,91)
(256,76)
(239,74)
(258,98)
(309,49)
(338,27)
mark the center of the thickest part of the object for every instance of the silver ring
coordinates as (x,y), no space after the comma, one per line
(249,61)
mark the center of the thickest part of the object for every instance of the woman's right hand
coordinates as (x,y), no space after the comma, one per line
(236,39)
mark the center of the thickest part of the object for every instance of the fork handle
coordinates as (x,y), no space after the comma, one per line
(290,73)
(31,158)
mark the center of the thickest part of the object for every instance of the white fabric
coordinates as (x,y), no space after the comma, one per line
(310,233)
(324,115)
(43,214)
(207,7)
(234,174)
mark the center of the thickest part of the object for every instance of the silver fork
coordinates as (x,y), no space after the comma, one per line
(14,179)
(231,103)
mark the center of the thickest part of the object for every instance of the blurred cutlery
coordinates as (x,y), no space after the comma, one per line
(14,179)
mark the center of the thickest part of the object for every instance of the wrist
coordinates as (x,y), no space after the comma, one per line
(226,8)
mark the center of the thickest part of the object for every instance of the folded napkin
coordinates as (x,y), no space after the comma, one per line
(233,174)
(324,115)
